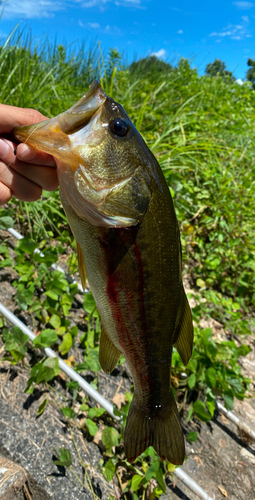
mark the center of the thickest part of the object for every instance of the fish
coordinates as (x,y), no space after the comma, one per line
(122,216)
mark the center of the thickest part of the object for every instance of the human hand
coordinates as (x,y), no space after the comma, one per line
(26,174)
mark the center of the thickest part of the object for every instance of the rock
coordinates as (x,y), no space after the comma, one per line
(16,483)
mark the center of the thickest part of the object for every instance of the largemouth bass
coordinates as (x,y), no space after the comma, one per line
(121,214)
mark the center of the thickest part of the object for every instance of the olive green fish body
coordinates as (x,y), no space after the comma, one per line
(135,277)
(121,213)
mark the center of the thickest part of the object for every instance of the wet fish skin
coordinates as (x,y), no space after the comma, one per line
(121,214)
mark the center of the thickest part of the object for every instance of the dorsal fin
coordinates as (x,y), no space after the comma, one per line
(81,265)
(109,355)
(184,342)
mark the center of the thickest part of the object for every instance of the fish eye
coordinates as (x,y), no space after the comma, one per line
(119,127)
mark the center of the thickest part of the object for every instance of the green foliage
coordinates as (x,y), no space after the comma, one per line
(212,371)
(149,67)
(16,343)
(64,457)
(42,407)
(43,371)
(250,75)
(218,68)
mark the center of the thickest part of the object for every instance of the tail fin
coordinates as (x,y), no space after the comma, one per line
(162,431)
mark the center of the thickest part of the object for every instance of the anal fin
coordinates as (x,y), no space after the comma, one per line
(184,342)
(109,355)
(81,265)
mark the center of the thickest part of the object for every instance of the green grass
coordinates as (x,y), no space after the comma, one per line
(201,130)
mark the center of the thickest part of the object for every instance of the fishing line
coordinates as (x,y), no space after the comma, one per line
(15,149)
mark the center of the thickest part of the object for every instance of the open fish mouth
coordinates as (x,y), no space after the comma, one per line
(99,156)
(59,135)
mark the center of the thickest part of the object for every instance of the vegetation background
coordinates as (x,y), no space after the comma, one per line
(201,129)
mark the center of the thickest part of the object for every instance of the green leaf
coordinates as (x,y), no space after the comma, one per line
(151,472)
(200,283)
(91,361)
(6,222)
(190,413)
(235,384)
(16,343)
(55,321)
(42,407)
(52,295)
(192,437)
(110,438)
(64,457)
(91,426)
(69,412)
(73,386)
(192,380)
(135,482)
(90,305)
(200,411)
(95,412)
(44,371)
(46,338)
(66,344)
(27,246)
(160,479)
(192,365)
(84,407)
(109,469)
(229,400)
(6,263)
(210,377)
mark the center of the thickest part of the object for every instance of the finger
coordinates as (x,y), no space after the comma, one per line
(11,117)
(22,188)
(42,176)
(28,154)
(5,194)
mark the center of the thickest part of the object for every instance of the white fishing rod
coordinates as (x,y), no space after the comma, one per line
(62,365)
(188,481)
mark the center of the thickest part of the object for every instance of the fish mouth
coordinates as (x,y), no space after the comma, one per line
(54,136)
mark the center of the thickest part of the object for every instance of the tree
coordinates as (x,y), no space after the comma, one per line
(149,66)
(250,75)
(218,68)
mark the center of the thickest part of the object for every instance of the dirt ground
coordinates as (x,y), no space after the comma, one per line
(220,462)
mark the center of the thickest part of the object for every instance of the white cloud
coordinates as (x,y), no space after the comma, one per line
(160,53)
(101,3)
(112,30)
(94,3)
(29,9)
(239,81)
(127,2)
(180,32)
(246,19)
(81,24)
(94,25)
(243,5)
(234,31)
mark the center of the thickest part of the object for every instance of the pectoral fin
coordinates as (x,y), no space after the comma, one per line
(81,265)
(109,355)
(184,342)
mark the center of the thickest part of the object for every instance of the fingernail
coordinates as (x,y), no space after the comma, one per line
(4,148)
(26,154)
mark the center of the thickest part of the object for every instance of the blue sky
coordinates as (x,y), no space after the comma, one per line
(199,30)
